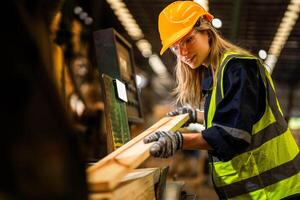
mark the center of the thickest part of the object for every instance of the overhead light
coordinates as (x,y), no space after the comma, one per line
(285,27)
(117,5)
(262,54)
(145,47)
(157,66)
(126,19)
(77,10)
(217,23)
(83,15)
(141,80)
(123,15)
(135,32)
(271,61)
(88,21)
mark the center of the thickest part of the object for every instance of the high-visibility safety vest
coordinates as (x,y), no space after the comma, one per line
(269,168)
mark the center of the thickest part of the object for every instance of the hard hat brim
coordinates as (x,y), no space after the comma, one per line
(174,38)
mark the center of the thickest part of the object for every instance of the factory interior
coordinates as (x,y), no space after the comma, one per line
(84,83)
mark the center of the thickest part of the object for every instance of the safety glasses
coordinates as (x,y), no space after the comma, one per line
(186,42)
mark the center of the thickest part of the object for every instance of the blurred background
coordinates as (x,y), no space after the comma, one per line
(57,114)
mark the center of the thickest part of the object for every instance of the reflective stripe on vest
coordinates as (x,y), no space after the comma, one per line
(273,156)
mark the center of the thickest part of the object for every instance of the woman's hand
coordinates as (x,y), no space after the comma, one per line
(185,109)
(166,143)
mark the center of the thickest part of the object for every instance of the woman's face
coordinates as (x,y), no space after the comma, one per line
(193,49)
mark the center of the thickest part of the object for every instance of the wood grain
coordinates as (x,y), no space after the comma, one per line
(138,185)
(107,173)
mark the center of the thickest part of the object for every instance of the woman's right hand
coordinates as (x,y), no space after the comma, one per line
(183,110)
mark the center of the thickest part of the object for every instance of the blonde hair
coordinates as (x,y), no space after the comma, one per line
(188,90)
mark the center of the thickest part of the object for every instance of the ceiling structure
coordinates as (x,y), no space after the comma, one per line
(251,24)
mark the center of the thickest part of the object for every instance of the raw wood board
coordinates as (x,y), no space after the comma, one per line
(138,185)
(106,174)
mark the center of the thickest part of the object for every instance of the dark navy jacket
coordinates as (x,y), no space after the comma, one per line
(243,105)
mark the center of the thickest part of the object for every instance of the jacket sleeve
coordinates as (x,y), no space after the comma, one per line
(242,106)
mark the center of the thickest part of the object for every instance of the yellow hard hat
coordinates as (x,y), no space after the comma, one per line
(177,20)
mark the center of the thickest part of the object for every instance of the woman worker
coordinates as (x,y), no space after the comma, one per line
(253,154)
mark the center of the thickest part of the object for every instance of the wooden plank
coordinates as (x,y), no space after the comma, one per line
(139,173)
(107,173)
(138,185)
(160,187)
(128,145)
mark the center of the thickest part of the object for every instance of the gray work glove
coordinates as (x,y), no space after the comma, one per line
(166,143)
(185,109)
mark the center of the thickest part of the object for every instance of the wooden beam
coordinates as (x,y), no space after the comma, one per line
(106,174)
(139,185)
(160,186)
